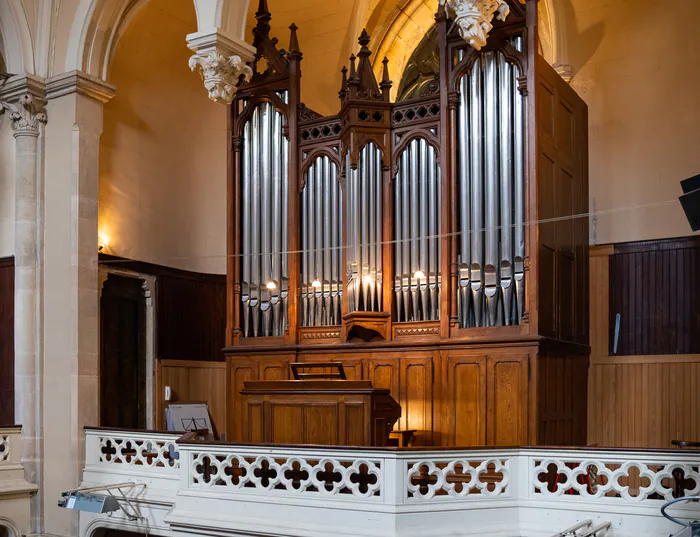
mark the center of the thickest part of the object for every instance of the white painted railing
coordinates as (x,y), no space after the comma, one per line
(15,492)
(316,490)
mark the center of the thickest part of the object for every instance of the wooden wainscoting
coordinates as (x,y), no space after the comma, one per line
(7,340)
(192,380)
(636,401)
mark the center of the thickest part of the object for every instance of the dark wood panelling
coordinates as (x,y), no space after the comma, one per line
(7,340)
(562,121)
(654,287)
(122,353)
(190,309)
(191,317)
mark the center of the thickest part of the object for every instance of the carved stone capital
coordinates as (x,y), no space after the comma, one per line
(221,60)
(221,74)
(473,18)
(27,115)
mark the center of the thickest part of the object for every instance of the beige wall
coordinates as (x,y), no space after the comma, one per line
(324,38)
(633,64)
(7,188)
(163,151)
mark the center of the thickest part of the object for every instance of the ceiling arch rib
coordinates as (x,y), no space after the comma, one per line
(18,49)
(99,24)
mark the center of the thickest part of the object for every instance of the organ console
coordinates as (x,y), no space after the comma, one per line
(437,245)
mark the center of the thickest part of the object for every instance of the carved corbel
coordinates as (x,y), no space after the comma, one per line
(221,74)
(473,18)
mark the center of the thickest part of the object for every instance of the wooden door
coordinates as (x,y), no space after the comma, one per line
(464,400)
(123,353)
(416,395)
(507,404)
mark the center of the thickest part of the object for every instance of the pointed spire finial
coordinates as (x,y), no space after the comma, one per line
(344,84)
(353,71)
(386,82)
(364,38)
(262,28)
(262,9)
(293,42)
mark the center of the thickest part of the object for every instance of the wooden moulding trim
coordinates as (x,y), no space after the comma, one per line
(443,449)
(603,250)
(676,243)
(133,431)
(164,362)
(651,359)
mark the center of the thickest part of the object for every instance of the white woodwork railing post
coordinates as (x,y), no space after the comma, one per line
(394,473)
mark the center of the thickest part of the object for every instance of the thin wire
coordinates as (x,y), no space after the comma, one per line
(591,214)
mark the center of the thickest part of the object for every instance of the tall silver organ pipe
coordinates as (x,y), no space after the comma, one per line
(416,227)
(321,229)
(264,186)
(364,240)
(491,203)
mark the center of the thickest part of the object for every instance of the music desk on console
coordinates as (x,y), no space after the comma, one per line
(329,412)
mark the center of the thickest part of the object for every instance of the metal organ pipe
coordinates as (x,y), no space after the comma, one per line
(364,206)
(320,220)
(416,246)
(264,181)
(491,203)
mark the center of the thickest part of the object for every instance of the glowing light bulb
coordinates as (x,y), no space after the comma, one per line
(272,284)
(316,284)
(419,275)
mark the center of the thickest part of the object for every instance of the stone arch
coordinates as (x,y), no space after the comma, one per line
(397,27)
(18,51)
(99,24)
(8,528)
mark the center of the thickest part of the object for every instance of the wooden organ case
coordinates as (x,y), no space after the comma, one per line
(433,245)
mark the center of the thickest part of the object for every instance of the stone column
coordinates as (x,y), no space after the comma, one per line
(71,318)
(23,100)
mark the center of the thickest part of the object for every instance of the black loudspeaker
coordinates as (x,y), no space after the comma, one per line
(690,201)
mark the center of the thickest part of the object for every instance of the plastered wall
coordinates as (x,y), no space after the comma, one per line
(163,150)
(634,67)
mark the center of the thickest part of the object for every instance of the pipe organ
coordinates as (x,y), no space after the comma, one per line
(435,245)
(321,232)
(416,239)
(363,239)
(264,280)
(490,154)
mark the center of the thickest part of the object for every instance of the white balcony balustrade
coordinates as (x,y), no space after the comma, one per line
(217,489)
(15,492)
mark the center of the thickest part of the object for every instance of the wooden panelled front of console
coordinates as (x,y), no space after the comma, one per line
(486,395)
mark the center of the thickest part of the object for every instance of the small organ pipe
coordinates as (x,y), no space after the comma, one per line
(506,152)
(398,245)
(477,222)
(491,140)
(433,230)
(245,233)
(255,222)
(519,190)
(378,228)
